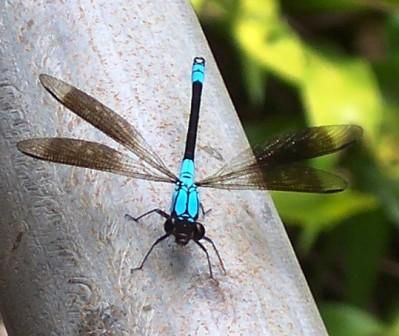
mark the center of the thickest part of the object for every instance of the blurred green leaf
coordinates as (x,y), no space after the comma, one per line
(392,29)
(197,4)
(345,320)
(268,40)
(381,182)
(366,238)
(386,150)
(394,328)
(341,90)
(254,79)
(340,5)
(213,8)
(316,213)
(334,88)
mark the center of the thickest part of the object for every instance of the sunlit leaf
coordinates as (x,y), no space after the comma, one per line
(341,90)
(394,327)
(317,213)
(268,40)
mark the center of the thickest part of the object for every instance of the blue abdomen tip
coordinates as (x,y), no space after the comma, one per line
(198,71)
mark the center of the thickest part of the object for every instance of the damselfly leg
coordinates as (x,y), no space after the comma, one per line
(203,211)
(157,210)
(209,240)
(207,257)
(149,252)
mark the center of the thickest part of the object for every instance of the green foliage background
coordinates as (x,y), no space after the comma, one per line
(289,64)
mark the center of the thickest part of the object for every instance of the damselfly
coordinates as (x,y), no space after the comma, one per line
(273,166)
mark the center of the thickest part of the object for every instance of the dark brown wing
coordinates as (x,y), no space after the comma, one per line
(106,120)
(88,154)
(274,166)
(284,178)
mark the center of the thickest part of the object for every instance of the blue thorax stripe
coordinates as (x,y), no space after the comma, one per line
(187,170)
(198,71)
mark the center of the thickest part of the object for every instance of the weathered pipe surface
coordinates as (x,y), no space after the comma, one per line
(66,249)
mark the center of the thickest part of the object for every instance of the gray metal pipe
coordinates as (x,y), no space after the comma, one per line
(66,249)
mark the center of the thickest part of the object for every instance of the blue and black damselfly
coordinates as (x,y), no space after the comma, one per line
(274,166)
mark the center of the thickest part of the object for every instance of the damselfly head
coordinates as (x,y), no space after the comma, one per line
(184,230)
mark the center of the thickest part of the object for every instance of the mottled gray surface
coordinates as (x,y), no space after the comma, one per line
(65,247)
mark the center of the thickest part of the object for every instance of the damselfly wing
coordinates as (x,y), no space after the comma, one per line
(277,165)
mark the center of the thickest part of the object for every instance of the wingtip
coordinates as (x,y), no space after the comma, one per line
(335,190)
(22,146)
(53,85)
(56,87)
(28,146)
(357,131)
(340,185)
(47,80)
